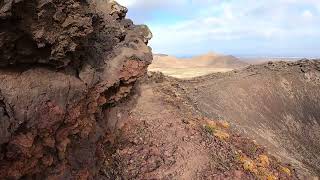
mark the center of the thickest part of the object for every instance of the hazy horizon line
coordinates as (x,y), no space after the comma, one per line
(249,56)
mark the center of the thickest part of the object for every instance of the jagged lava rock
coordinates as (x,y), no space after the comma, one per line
(63,63)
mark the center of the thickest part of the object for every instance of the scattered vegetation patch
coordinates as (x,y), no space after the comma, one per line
(249,156)
(258,167)
(262,167)
(210,128)
(221,135)
(264,160)
(217,129)
(224,124)
(285,170)
(249,165)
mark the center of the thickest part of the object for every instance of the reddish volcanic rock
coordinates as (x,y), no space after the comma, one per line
(63,64)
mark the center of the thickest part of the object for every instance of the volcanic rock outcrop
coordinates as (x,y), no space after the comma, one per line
(62,65)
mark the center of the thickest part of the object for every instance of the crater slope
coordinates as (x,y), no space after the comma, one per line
(163,136)
(276,103)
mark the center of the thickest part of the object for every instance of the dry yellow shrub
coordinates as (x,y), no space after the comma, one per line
(271,177)
(285,170)
(221,135)
(249,165)
(265,174)
(210,128)
(211,123)
(224,124)
(264,160)
(259,171)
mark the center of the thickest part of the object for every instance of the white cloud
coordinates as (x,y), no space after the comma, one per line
(307,14)
(210,21)
(150,4)
(127,3)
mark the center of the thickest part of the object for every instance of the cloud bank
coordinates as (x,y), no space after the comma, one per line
(239,27)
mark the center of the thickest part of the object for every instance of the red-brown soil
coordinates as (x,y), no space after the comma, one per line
(164,137)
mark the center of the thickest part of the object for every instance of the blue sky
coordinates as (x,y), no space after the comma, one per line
(238,27)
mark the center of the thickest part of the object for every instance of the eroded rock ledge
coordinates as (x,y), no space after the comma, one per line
(63,63)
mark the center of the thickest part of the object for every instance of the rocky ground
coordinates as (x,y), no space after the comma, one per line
(165,137)
(276,103)
(238,125)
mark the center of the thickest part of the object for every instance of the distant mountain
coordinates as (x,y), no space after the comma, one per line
(162,55)
(218,61)
(209,60)
(160,61)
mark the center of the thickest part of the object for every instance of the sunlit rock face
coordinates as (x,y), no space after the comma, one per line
(62,64)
